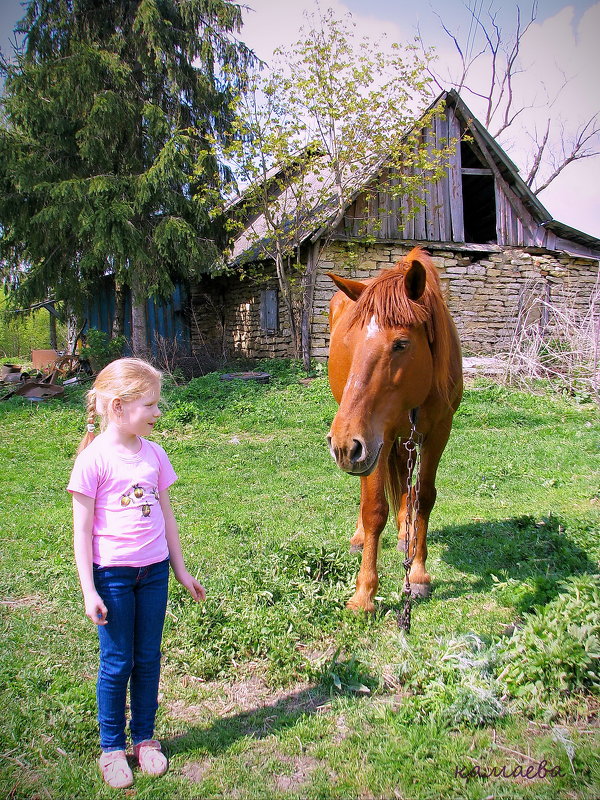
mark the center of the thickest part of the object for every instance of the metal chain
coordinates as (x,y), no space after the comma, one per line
(413,462)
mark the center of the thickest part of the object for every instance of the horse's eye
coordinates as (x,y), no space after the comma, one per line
(400,345)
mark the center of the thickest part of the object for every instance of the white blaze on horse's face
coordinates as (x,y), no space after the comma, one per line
(372,328)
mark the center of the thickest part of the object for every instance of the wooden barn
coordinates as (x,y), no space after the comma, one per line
(496,247)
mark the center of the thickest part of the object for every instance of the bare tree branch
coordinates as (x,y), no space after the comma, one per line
(502,104)
(538,157)
(580,149)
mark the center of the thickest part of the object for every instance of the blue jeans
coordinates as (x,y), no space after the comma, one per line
(136,599)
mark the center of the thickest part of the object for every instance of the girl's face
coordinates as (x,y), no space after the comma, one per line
(139,416)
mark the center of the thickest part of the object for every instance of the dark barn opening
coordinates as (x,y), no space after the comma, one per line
(479,208)
(479,197)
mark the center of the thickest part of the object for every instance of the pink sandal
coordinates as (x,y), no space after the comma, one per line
(150,757)
(115,769)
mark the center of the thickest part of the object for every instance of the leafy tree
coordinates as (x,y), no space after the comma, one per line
(106,157)
(334,114)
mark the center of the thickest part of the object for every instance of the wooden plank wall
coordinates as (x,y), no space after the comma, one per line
(516,227)
(439,216)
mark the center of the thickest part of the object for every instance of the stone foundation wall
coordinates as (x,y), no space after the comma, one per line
(488,293)
(226,320)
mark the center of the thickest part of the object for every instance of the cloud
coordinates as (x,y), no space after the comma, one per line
(269,24)
(562,50)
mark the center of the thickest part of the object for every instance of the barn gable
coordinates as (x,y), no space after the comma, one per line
(499,253)
(481,200)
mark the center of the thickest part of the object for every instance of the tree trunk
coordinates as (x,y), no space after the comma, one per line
(308,295)
(118,323)
(286,291)
(53,338)
(139,322)
(74,325)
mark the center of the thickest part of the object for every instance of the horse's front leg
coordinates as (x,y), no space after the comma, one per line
(358,540)
(432,449)
(373,516)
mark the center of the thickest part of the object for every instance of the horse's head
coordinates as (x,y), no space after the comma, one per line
(381,363)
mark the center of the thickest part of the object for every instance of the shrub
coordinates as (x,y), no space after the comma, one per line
(100,350)
(556,342)
(558,647)
(179,413)
(454,683)
(325,561)
(473,706)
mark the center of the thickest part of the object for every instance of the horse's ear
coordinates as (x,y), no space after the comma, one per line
(415,279)
(353,289)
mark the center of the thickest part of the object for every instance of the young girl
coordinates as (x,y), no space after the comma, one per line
(125,536)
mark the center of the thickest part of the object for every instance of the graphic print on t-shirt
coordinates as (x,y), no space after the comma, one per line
(137,492)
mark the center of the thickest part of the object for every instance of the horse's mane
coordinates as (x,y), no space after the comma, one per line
(386,300)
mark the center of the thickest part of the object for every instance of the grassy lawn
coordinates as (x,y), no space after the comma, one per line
(272,689)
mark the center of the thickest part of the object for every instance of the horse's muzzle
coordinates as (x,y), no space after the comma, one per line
(354,457)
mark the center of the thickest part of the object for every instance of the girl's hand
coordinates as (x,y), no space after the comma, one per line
(95,609)
(195,588)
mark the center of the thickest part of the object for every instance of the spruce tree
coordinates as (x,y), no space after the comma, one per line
(110,115)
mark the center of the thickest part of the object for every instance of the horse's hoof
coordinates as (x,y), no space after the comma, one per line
(401,546)
(356,548)
(356,606)
(421,590)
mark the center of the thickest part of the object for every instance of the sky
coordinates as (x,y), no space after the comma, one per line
(563,43)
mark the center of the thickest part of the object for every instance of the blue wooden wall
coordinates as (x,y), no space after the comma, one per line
(167,319)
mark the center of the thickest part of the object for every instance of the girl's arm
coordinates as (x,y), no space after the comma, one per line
(175,555)
(83,523)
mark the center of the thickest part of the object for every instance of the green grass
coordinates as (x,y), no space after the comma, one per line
(271,689)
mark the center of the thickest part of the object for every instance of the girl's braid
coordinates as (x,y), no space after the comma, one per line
(91,420)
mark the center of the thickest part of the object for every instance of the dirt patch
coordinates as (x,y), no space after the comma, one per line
(14,603)
(342,731)
(302,768)
(247,695)
(196,714)
(195,771)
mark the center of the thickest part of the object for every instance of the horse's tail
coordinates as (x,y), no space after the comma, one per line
(393,478)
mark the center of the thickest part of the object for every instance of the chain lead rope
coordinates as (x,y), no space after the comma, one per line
(413,462)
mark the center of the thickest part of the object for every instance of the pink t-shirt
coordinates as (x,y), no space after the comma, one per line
(129,526)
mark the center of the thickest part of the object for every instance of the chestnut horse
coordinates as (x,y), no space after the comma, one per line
(394,348)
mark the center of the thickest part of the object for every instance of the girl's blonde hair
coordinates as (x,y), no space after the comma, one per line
(123,379)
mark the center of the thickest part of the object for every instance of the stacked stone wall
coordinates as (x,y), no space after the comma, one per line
(226,320)
(488,293)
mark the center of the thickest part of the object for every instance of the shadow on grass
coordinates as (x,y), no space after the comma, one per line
(257,723)
(528,556)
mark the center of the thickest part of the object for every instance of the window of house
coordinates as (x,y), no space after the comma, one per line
(269,311)
(479,197)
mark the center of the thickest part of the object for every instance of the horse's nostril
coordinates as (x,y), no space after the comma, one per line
(357,452)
